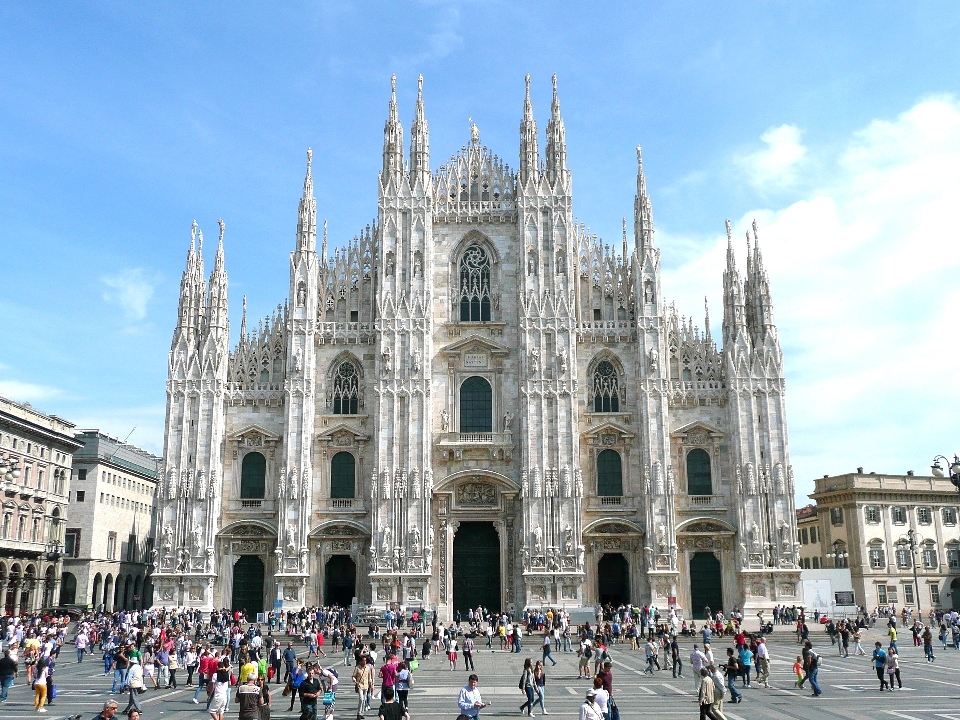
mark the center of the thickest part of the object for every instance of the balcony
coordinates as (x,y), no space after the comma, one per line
(703,502)
(249,504)
(346,506)
(615,504)
(493,446)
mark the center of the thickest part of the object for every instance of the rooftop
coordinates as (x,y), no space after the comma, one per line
(877,482)
(98,447)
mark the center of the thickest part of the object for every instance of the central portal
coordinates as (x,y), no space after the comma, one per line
(248,577)
(476,567)
(706,584)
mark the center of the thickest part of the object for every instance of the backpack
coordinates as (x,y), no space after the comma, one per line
(588,652)
(817,660)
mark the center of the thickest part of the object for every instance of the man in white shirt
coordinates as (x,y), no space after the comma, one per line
(697,661)
(763,662)
(589,710)
(469,701)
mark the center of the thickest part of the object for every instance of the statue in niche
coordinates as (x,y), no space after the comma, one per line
(755,538)
(648,554)
(294,486)
(415,484)
(197,536)
(374,482)
(562,362)
(428,484)
(385,541)
(386,361)
(654,361)
(524,557)
(580,553)
(751,480)
(417,265)
(172,484)
(537,487)
(661,538)
(538,540)
(301,294)
(531,263)
(396,559)
(565,482)
(291,540)
(166,539)
(429,555)
(183,561)
(744,556)
(444,420)
(507,421)
(298,360)
(524,484)
(535,361)
(416,362)
(390,264)
(553,560)
(201,487)
(670,480)
(415,540)
(578,482)
(657,478)
(385,488)
(648,294)
(785,537)
(739,476)
(568,540)
(561,264)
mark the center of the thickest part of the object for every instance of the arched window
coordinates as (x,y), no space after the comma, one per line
(609,474)
(699,481)
(476,406)
(475,285)
(343,472)
(346,389)
(253,476)
(606,388)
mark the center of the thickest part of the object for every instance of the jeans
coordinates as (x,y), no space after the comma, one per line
(746,675)
(308,710)
(347,652)
(80,654)
(546,654)
(363,701)
(468,660)
(567,647)
(677,667)
(107,662)
(928,651)
(529,703)
(119,679)
(541,692)
(5,682)
(201,686)
(732,686)
(812,674)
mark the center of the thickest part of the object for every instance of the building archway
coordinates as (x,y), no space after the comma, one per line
(128,593)
(138,594)
(97,598)
(248,575)
(613,576)
(476,567)
(706,584)
(955,593)
(339,581)
(68,589)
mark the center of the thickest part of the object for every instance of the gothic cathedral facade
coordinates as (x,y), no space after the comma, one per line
(476,401)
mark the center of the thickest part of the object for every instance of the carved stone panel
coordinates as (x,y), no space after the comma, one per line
(476,493)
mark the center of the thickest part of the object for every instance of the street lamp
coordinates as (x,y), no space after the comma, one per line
(953,469)
(9,469)
(912,541)
(839,555)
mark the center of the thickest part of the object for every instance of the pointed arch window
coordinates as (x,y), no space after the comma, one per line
(475,285)
(343,475)
(609,474)
(346,389)
(699,480)
(253,476)
(606,388)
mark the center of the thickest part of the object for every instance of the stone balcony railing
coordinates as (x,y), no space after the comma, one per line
(611,504)
(495,445)
(702,502)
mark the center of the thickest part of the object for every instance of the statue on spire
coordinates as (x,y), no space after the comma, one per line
(474,132)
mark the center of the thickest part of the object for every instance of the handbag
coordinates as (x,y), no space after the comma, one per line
(328,698)
(414,664)
(614,710)
(53,691)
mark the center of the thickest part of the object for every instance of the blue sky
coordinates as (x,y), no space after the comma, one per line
(836,125)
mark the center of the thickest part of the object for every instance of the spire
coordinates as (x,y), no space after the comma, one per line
(199,266)
(323,250)
(706,319)
(758,292)
(529,153)
(191,285)
(624,239)
(392,139)
(419,141)
(642,210)
(243,320)
(307,212)
(217,292)
(556,141)
(734,323)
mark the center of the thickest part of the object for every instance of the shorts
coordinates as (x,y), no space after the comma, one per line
(584,662)
(219,706)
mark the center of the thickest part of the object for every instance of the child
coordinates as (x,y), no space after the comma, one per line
(798,669)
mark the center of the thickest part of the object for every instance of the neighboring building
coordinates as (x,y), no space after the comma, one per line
(862,517)
(35,461)
(110,532)
(808,535)
(476,401)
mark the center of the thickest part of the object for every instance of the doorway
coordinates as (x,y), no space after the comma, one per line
(955,593)
(476,567)
(248,576)
(340,581)
(613,578)
(705,584)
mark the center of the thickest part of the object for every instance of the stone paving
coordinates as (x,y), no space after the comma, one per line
(931,690)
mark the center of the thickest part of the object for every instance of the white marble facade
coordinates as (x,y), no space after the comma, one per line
(476,355)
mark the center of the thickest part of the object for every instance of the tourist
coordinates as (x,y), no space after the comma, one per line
(390,710)
(732,669)
(264,709)
(811,665)
(893,667)
(40,686)
(108,712)
(547,645)
(135,685)
(469,700)
(452,649)
(589,710)
(526,686)
(310,689)
(697,661)
(248,695)
(676,659)
(706,696)
(363,684)
(539,685)
(404,682)
(219,700)
(880,665)
(9,669)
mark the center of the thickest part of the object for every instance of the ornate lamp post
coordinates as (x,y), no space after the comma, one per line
(912,541)
(9,468)
(839,555)
(953,468)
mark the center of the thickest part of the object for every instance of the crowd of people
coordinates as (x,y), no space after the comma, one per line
(301,655)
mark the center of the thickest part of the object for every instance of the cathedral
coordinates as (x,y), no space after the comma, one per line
(475,401)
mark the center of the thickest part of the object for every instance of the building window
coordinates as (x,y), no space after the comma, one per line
(908,593)
(873,514)
(476,406)
(71,543)
(934,594)
(804,538)
(609,474)
(21,527)
(475,285)
(112,546)
(892,594)
(606,388)
(949,516)
(878,559)
(346,389)
(836,516)
(881,594)
(899,515)
(953,557)
(924,515)
(35,532)
(132,548)
(813,534)
(816,563)
(903,557)
(699,480)
(81,495)
(930,556)
(253,476)
(82,474)
(343,469)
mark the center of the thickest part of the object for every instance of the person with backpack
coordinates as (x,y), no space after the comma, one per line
(585,653)
(526,686)
(811,665)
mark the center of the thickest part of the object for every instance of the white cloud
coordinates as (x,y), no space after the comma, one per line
(27,392)
(776,164)
(131,289)
(864,279)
